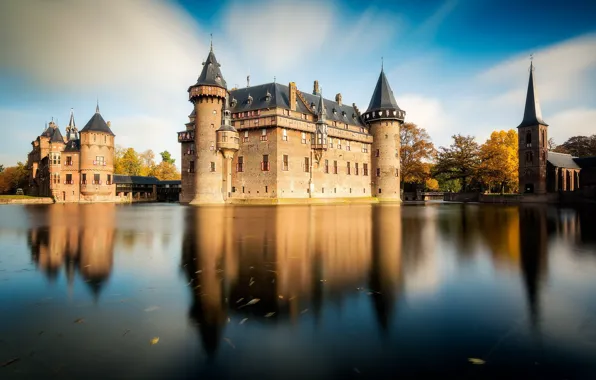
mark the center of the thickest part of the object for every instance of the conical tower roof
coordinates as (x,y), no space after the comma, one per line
(211,74)
(97,124)
(532,112)
(382,104)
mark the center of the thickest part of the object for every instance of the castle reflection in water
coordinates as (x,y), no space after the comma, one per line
(296,258)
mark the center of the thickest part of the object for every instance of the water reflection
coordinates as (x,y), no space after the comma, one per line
(77,239)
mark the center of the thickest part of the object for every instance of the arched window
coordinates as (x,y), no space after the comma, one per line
(529,158)
(528,139)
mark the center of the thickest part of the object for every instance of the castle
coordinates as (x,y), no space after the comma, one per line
(272,142)
(75,168)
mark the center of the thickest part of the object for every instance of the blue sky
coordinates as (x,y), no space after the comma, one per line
(455,66)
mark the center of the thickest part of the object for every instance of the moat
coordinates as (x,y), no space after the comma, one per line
(297,292)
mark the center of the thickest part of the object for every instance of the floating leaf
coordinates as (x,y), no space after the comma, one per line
(250,284)
(230,343)
(303,311)
(244,320)
(11,361)
(270,314)
(154,340)
(280,297)
(476,361)
(240,300)
(79,320)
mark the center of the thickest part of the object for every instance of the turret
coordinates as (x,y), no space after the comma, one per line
(71,131)
(97,158)
(320,142)
(532,135)
(208,96)
(228,142)
(384,118)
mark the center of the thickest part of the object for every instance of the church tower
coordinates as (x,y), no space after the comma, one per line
(208,96)
(532,135)
(384,118)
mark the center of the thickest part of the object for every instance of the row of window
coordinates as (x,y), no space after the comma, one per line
(529,139)
(99,160)
(68,180)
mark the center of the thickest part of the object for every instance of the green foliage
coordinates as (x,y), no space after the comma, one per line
(167,157)
(459,161)
(13,178)
(579,146)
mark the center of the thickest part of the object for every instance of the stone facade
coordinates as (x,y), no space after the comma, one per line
(282,146)
(76,168)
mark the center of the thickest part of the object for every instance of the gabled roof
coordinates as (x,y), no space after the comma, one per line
(73,146)
(383,98)
(56,135)
(211,74)
(279,96)
(532,112)
(562,160)
(97,124)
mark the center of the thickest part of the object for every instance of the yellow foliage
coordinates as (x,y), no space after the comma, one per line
(499,160)
(432,184)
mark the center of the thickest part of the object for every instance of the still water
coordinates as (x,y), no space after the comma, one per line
(297,292)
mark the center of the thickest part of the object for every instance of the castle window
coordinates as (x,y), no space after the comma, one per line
(377,153)
(84,179)
(99,160)
(284,136)
(346,126)
(263,134)
(96,179)
(365,169)
(212,167)
(109,181)
(529,140)
(338,144)
(266,189)
(306,165)
(69,179)
(361,130)
(379,190)
(334,167)
(105,139)
(330,142)
(326,166)
(378,172)
(364,148)
(256,121)
(397,172)
(212,147)
(245,139)
(191,168)
(529,158)
(303,138)
(240,164)
(356,168)
(347,145)
(349,171)
(287,112)
(285,163)
(68,160)
(265,163)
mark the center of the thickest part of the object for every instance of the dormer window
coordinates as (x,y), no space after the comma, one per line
(268,96)
(343,113)
(249,100)
(217,78)
(234,102)
(334,111)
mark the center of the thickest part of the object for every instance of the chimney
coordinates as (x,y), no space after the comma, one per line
(315,89)
(292,96)
(338,99)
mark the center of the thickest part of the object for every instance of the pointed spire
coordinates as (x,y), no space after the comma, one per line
(383,104)
(532,112)
(71,123)
(381,64)
(97,107)
(211,42)
(211,73)
(321,107)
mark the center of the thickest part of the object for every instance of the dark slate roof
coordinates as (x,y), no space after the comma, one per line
(97,124)
(280,97)
(382,98)
(227,128)
(73,146)
(586,162)
(135,180)
(211,74)
(56,135)
(532,113)
(562,160)
(47,132)
(173,182)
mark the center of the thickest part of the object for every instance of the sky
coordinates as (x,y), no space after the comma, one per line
(455,66)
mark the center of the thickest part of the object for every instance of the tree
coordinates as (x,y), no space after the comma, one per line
(580,146)
(167,157)
(432,184)
(13,178)
(499,160)
(1,168)
(127,162)
(552,145)
(416,151)
(460,160)
(147,159)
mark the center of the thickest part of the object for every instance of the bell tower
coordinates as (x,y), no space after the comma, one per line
(208,96)
(384,118)
(532,135)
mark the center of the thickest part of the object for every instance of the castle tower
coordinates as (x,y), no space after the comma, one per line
(532,135)
(384,118)
(97,159)
(208,96)
(228,142)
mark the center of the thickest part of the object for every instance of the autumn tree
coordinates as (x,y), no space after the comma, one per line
(13,178)
(127,162)
(499,161)
(416,151)
(459,161)
(147,159)
(1,168)
(166,170)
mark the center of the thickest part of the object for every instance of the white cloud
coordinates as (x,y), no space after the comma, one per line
(572,122)
(428,113)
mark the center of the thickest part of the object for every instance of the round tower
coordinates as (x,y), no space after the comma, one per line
(228,143)
(208,96)
(384,118)
(97,159)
